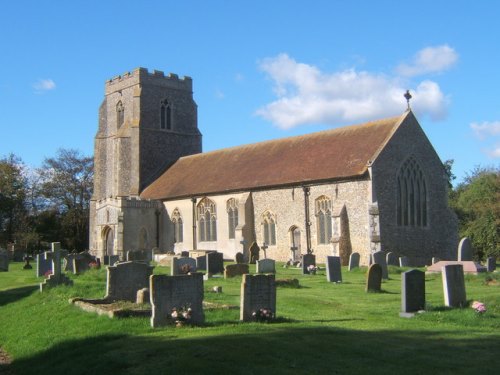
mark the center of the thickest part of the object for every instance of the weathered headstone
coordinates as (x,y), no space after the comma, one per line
(379,258)
(140,255)
(464,249)
(412,292)
(125,279)
(237,269)
(404,261)
(391,259)
(56,277)
(454,285)
(353,261)
(201,262)
(254,252)
(4,262)
(266,266)
(333,269)
(257,292)
(81,264)
(179,292)
(68,262)
(182,266)
(491,264)
(307,260)
(239,258)
(374,278)
(43,265)
(215,263)
(143,296)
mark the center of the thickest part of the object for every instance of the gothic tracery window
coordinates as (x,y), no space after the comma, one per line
(411,198)
(165,115)
(120,114)
(178,226)
(207,220)
(269,228)
(324,219)
(232,216)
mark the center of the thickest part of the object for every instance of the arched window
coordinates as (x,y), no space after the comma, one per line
(324,219)
(165,115)
(178,226)
(269,228)
(120,115)
(207,220)
(411,197)
(232,216)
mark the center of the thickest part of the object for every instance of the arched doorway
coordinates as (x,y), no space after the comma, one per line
(108,241)
(295,251)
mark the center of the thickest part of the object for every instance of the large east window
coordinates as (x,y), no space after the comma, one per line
(411,198)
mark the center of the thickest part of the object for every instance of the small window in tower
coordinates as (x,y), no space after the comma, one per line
(165,115)
(120,115)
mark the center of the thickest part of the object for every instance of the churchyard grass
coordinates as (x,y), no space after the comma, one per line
(322,328)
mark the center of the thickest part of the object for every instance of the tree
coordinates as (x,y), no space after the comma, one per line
(67,182)
(477,204)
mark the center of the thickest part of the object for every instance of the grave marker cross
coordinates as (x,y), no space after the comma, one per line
(264,248)
(55,256)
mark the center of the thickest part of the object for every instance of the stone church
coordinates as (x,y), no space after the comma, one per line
(361,188)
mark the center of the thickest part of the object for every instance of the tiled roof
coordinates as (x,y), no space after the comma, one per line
(328,155)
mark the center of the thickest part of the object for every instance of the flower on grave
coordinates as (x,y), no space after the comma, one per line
(185,269)
(181,315)
(478,307)
(312,268)
(263,315)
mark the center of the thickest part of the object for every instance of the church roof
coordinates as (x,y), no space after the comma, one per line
(337,154)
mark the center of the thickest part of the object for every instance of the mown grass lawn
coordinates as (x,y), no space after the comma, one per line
(322,328)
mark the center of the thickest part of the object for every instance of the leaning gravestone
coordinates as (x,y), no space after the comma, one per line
(491,264)
(412,292)
(176,292)
(391,259)
(353,261)
(464,249)
(215,263)
(257,292)
(182,266)
(4,262)
(239,258)
(307,260)
(237,269)
(43,265)
(201,262)
(333,269)
(380,258)
(374,278)
(454,285)
(404,261)
(266,266)
(125,279)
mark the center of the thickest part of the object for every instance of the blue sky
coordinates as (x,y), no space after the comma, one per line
(261,69)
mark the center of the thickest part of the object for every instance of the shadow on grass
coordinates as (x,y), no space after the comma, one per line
(13,295)
(266,349)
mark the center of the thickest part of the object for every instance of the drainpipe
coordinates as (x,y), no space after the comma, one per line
(194,222)
(307,192)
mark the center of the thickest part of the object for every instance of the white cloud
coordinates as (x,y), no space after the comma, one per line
(486,129)
(219,94)
(495,153)
(429,60)
(44,85)
(306,95)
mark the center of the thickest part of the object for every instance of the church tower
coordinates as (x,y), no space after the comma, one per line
(146,122)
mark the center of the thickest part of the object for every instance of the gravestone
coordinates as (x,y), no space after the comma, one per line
(412,292)
(239,258)
(257,292)
(374,278)
(435,260)
(27,259)
(140,256)
(464,249)
(4,261)
(185,254)
(454,285)
(307,260)
(237,269)
(201,262)
(182,266)
(391,259)
(491,264)
(125,279)
(179,292)
(404,261)
(68,262)
(43,265)
(56,277)
(110,260)
(254,253)
(81,264)
(379,258)
(353,261)
(142,296)
(215,263)
(266,266)
(333,269)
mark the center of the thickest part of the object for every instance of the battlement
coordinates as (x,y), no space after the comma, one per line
(143,76)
